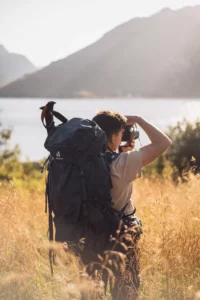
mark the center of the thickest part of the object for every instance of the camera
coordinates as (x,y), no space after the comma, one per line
(130,133)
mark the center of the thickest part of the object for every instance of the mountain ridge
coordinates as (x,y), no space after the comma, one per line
(146,57)
(13,66)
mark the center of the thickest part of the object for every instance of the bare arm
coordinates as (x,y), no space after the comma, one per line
(159,141)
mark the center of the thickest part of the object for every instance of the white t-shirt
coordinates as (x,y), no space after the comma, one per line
(126,168)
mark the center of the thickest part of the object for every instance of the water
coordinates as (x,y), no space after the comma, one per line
(23,117)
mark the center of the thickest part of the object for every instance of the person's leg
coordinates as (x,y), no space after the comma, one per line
(126,286)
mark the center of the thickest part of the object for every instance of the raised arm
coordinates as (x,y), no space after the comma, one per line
(159,140)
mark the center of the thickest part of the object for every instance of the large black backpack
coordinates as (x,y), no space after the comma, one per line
(78,184)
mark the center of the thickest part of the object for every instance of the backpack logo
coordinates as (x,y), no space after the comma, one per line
(58,156)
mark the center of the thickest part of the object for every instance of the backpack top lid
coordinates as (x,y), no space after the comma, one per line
(76,140)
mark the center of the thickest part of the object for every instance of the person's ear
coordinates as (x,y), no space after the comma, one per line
(113,138)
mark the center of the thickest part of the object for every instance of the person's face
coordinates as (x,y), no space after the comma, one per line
(116,139)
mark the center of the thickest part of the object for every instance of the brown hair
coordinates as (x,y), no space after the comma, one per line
(110,122)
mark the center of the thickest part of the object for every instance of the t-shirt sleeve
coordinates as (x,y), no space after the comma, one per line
(129,165)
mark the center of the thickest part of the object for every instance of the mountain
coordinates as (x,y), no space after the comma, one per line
(157,56)
(13,66)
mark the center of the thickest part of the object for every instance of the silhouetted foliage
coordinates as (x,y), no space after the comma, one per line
(8,157)
(184,153)
(26,174)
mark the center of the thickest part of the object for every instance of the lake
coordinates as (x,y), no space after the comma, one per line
(23,117)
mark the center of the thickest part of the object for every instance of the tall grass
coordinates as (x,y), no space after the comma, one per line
(170,256)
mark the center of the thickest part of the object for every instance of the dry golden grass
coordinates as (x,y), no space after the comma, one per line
(24,264)
(170,256)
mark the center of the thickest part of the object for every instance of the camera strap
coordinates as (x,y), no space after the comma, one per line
(110,149)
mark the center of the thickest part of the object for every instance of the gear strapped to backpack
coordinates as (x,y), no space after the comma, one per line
(78,182)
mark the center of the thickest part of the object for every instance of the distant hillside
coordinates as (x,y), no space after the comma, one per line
(13,66)
(156,56)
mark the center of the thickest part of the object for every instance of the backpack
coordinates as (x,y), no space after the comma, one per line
(78,185)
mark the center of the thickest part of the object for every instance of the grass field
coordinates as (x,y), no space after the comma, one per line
(170,255)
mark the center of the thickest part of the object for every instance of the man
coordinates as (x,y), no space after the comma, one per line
(124,170)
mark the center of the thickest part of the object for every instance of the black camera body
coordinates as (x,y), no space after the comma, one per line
(130,133)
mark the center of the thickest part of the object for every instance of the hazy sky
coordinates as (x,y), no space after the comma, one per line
(47,30)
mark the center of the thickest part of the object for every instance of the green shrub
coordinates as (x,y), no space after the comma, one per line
(184,153)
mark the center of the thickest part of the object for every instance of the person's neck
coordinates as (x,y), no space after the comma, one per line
(110,148)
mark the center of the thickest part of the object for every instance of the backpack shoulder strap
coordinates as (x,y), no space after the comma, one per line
(111,156)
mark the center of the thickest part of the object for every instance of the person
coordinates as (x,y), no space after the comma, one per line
(126,168)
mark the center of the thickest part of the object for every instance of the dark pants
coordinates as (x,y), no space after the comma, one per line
(127,283)
(126,286)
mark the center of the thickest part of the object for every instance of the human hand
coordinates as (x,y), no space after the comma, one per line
(129,146)
(131,120)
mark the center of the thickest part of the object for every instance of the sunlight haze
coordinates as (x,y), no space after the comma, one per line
(45,31)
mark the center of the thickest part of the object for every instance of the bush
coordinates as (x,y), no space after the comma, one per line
(182,157)
(185,150)
(23,174)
